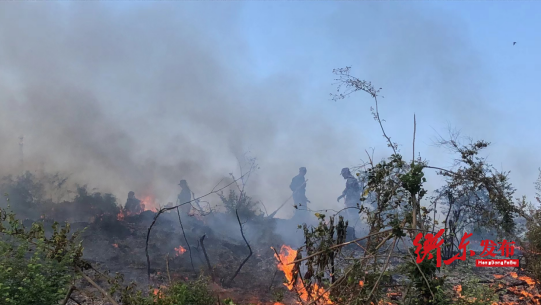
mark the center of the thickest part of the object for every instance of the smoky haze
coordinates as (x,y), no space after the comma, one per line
(138,97)
(138,100)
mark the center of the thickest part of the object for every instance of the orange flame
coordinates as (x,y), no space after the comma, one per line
(458,289)
(180,250)
(286,256)
(148,203)
(521,292)
(361,283)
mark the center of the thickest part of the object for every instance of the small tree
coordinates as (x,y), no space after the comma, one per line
(395,191)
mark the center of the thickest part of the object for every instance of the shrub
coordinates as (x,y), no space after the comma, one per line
(35,269)
(31,279)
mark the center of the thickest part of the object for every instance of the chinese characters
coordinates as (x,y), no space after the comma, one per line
(433,242)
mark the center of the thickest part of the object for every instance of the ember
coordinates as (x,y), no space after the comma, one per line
(120,215)
(115,245)
(180,250)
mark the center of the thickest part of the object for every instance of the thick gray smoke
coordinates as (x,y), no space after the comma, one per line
(137,97)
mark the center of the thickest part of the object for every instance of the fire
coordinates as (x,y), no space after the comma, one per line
(361,283)
(520,291)
(287,255)
(148,203)
(180,250)
(115,245)
(458,289)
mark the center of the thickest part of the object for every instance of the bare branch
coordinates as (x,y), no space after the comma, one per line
(162,210)
(185,239)
(249,248)
(206,257)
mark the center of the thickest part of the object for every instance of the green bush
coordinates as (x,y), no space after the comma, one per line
(31,278)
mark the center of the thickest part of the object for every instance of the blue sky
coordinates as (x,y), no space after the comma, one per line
(135,96)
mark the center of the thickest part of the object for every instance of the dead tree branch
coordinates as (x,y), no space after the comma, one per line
(185,239)
(74,300)
(68,295)
(167,268)
(353,84)
(105,294)
(206,256)
(249,248)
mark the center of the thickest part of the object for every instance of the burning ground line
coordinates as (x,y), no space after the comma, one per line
(162,210)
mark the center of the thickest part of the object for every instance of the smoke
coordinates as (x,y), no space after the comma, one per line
(139,97)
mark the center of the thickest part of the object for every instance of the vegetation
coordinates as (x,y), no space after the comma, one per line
(41,265)
(41,268)
(475,196)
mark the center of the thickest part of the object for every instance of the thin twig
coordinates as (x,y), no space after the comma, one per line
(414,130)
(340,280)
(74,300)
(418,267)
(68,295)
(167,267)
(381,125)
(249,248)
(339,245)
(185,239)
(107,296)
(206,256)
(353,241)
(274,213)
(383,271)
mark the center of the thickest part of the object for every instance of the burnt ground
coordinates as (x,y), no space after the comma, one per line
(119,246)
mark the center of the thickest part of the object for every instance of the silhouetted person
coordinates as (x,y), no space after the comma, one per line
(133,205)
(185,196)
(352,195)
(298,187)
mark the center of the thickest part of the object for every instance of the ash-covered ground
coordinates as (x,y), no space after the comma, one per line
(119,245)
